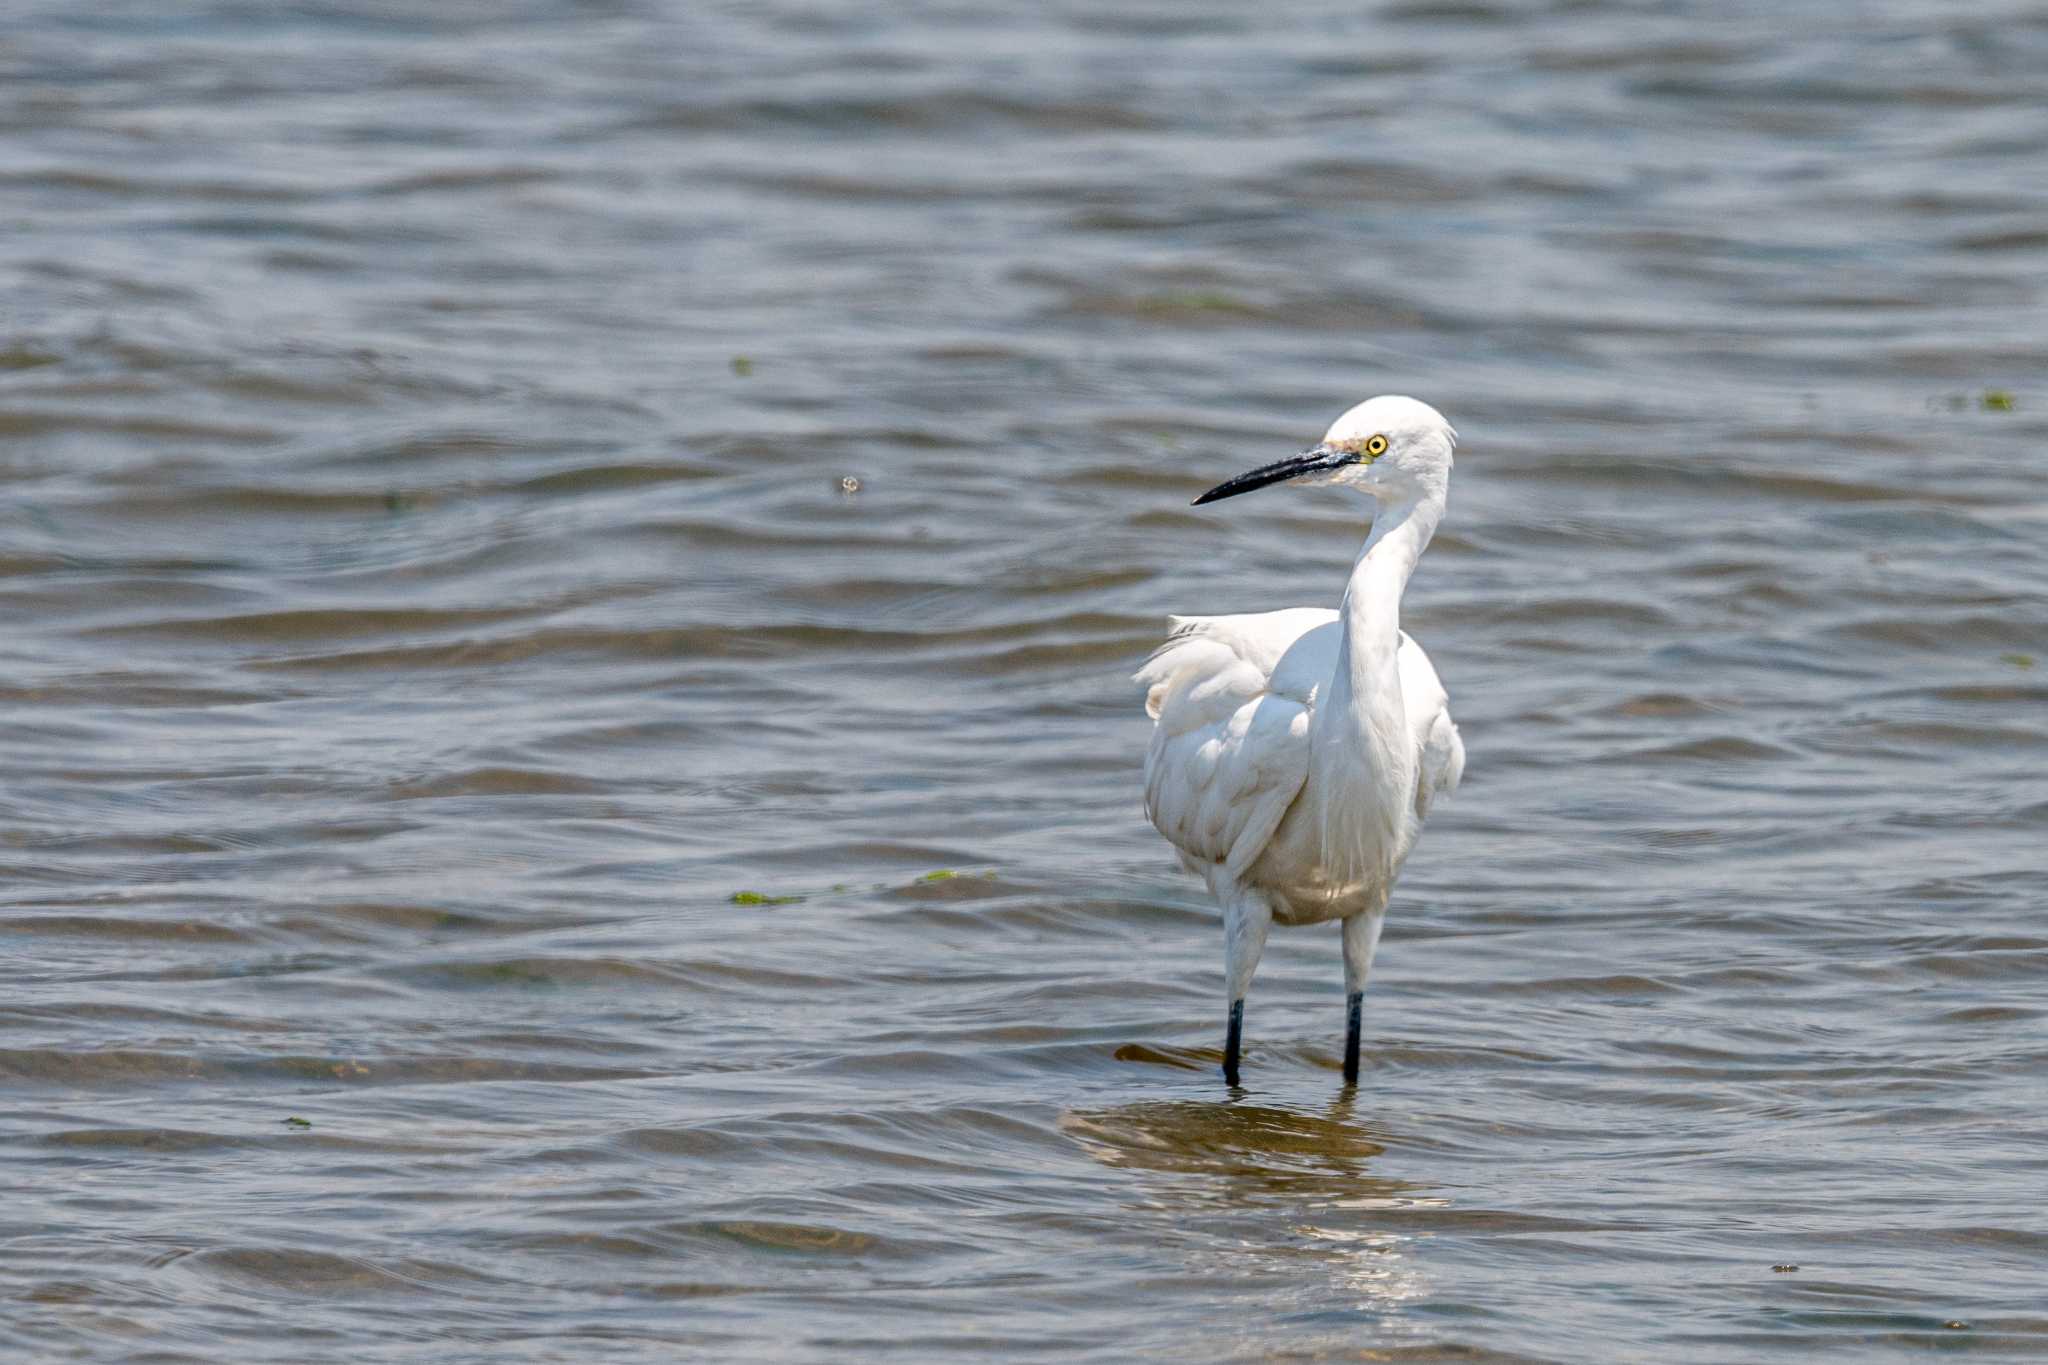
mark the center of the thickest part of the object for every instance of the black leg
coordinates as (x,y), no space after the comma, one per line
(1357,1007)
(1231,1039)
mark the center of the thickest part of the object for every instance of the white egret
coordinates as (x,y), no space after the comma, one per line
(1297,752)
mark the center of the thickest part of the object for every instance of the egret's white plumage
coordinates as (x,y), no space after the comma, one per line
(1297,752)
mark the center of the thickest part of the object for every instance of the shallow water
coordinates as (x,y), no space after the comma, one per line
(428,595)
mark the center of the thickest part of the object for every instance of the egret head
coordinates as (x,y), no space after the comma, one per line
(1390,446)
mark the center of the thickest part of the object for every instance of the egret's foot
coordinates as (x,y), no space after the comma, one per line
(1357,1009)
(1232,1037)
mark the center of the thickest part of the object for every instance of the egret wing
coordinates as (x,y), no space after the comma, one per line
(1440,749)
(1233,697)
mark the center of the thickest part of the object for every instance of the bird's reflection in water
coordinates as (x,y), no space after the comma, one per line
(1255,1191)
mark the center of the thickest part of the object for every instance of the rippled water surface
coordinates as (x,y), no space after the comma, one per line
(504,856)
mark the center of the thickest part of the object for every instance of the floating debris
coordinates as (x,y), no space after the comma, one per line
(1989,400)
(848,484)
(742,366)
(296,1122)
(759,898)
(18,356)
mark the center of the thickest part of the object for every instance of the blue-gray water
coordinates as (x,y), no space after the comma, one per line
(427,596)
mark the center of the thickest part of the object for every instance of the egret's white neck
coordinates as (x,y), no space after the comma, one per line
(1361,725)
(1372,599)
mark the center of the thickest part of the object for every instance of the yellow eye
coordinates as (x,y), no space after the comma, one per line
(1376,446)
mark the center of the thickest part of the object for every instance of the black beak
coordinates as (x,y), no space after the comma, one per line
(1320,460)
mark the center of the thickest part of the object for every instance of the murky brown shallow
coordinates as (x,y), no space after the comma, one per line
(427,596)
